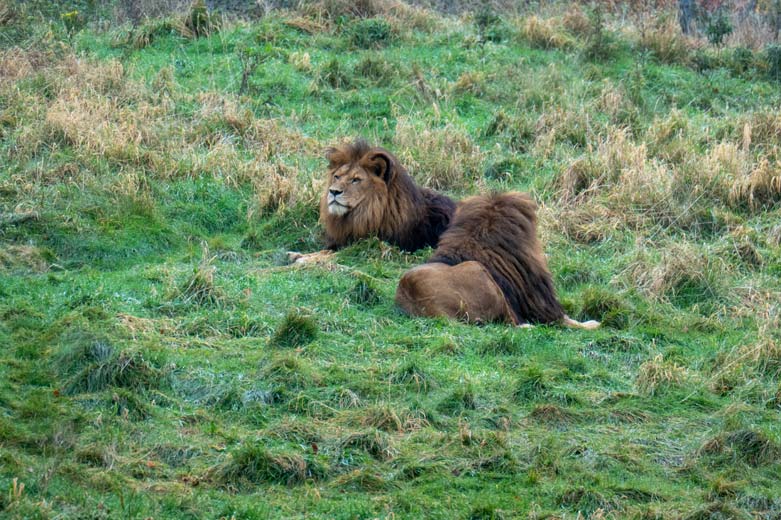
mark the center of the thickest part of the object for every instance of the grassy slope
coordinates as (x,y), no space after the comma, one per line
(145,375)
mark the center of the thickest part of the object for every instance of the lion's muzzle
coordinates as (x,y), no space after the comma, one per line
(336,206)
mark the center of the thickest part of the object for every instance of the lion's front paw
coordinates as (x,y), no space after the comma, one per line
(320,257)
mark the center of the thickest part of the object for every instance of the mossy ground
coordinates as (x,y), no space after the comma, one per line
(158,358)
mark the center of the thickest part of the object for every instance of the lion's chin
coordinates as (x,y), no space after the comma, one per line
(337,209)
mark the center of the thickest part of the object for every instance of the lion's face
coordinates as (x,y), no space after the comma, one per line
(356,184)
(349,186)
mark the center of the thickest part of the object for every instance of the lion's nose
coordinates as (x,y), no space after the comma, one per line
(335,192)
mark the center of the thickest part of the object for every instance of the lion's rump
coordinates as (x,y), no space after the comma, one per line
(499,232)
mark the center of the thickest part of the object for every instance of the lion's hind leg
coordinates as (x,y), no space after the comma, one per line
(464,291)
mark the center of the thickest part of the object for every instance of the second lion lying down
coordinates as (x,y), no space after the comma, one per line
(488,266)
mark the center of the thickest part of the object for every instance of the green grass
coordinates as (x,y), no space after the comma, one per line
(159,358)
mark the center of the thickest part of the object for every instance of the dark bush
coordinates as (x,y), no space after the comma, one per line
(772,56)
(372,33)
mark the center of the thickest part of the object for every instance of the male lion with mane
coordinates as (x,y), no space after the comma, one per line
(488,266)
(370,194)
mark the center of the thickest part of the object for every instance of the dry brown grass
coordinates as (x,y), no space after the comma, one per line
(545,33)
(761,187)
(615,103)
(471,83)
(277,188)
(102,114)
(621,173)
(761,131)
(575,20)
(657,374)
(750,31)
(139,327)
(681,269)
(584,223)
(402,16)
(16,63)
(442,158)
(763,356)
(662,36)
(23,258)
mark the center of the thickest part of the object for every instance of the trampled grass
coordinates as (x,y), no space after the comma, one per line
(159,357)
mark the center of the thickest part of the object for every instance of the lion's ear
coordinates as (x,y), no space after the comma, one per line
(381,164)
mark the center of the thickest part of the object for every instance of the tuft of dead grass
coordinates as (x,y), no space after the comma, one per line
(470,83)
(764,356)
(657,375)
(276,188)
(389,419)
(575,20)
(363,480)
(551,414)
(95,109)
(760,130)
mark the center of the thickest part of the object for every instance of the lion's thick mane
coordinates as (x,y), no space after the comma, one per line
(499,232)
(392,206)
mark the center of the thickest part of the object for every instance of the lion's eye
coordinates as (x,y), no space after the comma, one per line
(336,177)
(355,181)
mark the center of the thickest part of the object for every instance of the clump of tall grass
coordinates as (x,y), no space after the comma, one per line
(442,158)
(658,375)
(378,71)
(600,43)
(544,33)
(286,372)
(371,33)
(551,414)
(532,385)
(333,9)
(390,419)
(412,374)
(365,291)
(575,20)
(253,464)
(296,330)
(93,365)
(463,398)
(761,188)
(753,447)
(376,443)
(401,15)
(682,274)
(200,288)
(276,188)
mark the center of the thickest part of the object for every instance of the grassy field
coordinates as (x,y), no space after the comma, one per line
(160,359)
